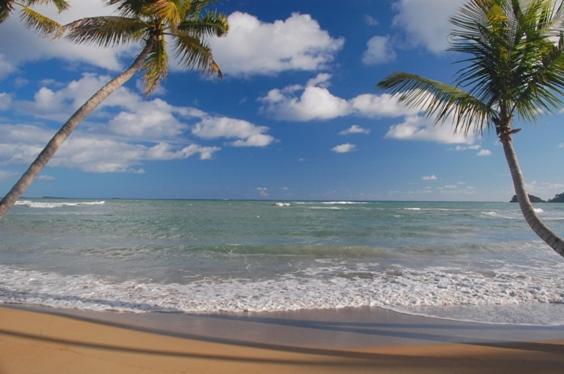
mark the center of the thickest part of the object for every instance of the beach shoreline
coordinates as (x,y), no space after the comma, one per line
(48,340)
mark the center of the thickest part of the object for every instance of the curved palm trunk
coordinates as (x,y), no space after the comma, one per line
(57,140)
(531,217)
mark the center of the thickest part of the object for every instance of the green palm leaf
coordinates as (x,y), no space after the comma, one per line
(211,24)
(129,8)
(6,7)
(156,66)
(42,24)
(107,31)
(193,53)
(61,5)
(440,101)
(165,10)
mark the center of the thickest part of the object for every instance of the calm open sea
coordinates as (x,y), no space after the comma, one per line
(471,261)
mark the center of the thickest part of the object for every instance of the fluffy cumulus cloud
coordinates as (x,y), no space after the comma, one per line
(419,128)
(90,152)
(426,22)
(57,101)
(344,148)
(314,101)
(152,120)
(245,133)
(255,47)
(354,130)
(124,133)
(378,51)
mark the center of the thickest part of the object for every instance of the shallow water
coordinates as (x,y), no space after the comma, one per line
(472,261)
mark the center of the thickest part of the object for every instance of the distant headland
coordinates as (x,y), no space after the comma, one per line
(559,198)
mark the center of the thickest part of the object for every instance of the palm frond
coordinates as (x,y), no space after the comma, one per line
(155,66)
(42,24)
(6,7)
(197,7)
(165,10)
(61,5)
(440,101)
(129,8)
(211,24)
(539,81)
(107,31)
(193,53)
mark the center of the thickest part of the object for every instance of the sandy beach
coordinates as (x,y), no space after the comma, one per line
(70,342)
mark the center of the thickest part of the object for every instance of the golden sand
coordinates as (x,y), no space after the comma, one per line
(32,342)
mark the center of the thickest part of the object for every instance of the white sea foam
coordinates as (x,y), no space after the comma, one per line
(330,285)
(282,205)
(413,209)
(51,205)
(538,210)
(343,202)
(490,213)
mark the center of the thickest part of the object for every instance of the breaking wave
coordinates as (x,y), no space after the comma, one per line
(51,205)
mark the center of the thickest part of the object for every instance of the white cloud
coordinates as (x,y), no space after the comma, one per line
(20,144)
(5,67)
(378,51)
(370,21)
(484,153)
(316,102)
(152,120)
(263,191)
(255,47)
(139,131)
(429,177)
(245,133)
(58,104)
(473,147)
(46,178)
(344,148)
(385,105)
(426,22)
(561,145)
(355,129)
(15,35)
(419,128)
(5,101)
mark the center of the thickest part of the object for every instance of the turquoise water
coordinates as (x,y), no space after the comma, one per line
(474,261)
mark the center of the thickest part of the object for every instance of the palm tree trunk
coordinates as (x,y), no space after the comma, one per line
(57,140)
(526,207)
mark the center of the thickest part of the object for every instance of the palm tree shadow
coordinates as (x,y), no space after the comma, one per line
(403,331)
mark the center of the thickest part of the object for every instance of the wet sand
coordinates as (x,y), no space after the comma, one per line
(38,340)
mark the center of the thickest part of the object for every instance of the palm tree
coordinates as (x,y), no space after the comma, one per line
(153,23)
(514,68)
(32,18)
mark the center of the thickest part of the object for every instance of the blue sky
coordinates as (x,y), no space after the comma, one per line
(297,115)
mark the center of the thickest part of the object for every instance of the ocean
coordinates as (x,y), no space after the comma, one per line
(459,260)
